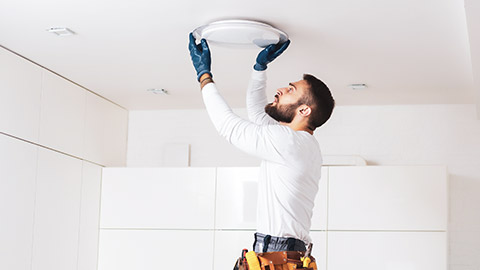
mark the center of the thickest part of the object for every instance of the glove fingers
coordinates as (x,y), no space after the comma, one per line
(282,48)
(192,44)
(205,46)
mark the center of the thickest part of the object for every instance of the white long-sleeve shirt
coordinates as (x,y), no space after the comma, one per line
(291,160)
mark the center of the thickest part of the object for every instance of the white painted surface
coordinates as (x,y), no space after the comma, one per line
(407,51)
(105,132)
(158,198)
(20,92)
(57,212)
(18,168)
(472,9)
(177,155)
(62,117)
(387,198)
(155,249)
(387,250)
(89,216)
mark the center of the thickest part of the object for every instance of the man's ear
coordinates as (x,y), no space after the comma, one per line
(304,110)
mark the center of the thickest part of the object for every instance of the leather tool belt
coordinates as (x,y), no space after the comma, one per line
(280,260)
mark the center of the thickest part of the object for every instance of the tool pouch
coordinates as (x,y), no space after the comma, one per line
(281,260)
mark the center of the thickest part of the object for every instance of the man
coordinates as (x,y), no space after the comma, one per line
(281,134)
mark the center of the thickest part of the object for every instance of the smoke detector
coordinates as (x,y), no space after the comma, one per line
(240,33)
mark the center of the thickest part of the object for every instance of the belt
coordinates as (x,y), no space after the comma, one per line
(268,243)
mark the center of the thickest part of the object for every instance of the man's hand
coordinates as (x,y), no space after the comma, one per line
(200,56)
(269,54)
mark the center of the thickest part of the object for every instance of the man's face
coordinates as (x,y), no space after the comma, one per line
(287,100)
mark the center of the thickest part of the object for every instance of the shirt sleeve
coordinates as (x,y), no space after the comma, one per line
(257,99)
(262,141)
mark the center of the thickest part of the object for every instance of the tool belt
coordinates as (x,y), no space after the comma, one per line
(280,260)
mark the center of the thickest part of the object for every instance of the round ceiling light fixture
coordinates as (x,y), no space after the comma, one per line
(240,32)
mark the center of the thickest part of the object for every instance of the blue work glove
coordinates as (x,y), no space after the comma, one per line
(200,56)
(269,54)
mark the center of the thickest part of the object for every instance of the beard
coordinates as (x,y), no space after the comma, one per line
(282,113)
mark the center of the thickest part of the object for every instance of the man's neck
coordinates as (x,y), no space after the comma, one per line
(297,127)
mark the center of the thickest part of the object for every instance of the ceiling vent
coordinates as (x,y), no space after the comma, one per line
(240,33)
(61,31)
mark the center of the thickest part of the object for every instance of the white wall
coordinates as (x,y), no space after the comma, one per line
(55,136)
(383,135)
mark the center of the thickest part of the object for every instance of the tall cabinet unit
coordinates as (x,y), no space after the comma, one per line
(387,218)
(50,169)
(157,218)
(365,217)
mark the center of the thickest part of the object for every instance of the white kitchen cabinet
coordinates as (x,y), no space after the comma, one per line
(387,198)
(57,212)
(236,198)
(62,118)
(365,217)
(105,132)
(89,216)
(18,165)
(20,92)
(387,250)
(155,249)
(171,198)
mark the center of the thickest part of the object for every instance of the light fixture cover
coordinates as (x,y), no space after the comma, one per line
(240,33)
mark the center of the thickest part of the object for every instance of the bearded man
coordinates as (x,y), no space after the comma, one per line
(281,134)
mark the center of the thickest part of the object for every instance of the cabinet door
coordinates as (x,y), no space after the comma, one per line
(105,132)
(18,165)
(387,250)
(155,249)
(387,198)
(236,198)
(20,92)
(166,198)
(89,216)
(62,118)
(57,212)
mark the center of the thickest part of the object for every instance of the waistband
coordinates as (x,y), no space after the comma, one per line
(268,243)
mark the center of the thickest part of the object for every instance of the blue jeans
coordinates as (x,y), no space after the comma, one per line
(268,243)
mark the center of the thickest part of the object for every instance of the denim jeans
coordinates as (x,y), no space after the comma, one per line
(268,243)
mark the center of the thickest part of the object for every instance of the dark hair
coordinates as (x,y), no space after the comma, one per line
(320,100)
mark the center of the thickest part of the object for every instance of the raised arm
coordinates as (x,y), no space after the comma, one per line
(246,135)
(256,96)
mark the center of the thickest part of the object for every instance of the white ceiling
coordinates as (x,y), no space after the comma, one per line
(406,51)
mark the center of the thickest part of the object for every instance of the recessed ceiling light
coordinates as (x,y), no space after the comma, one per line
(61,31)
(158,91)
(358,86)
